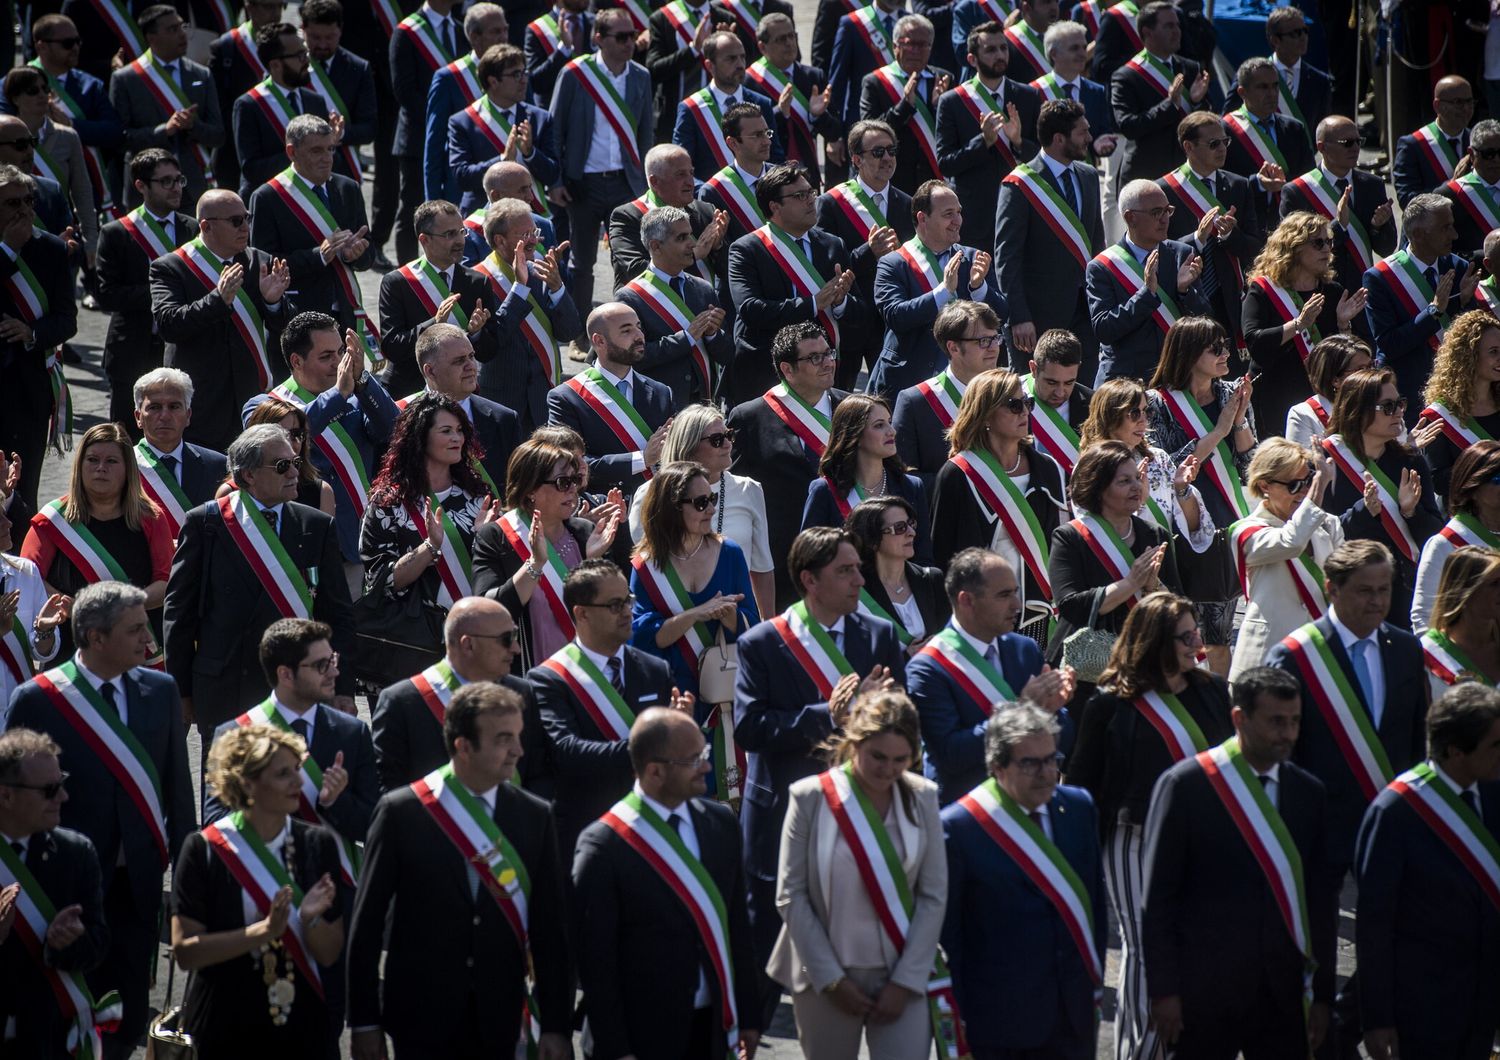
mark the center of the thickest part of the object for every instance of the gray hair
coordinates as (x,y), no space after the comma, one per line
(1491,242)
(1059,31)
(501,213)
(687,430)
(656,222)
(1252,66)
(247,452)
(477,14)
(1133,195)
(433,339)
(1487,130)
(1009,724)
(305,125)
(770,22)
(99,607)
(660,156)
(164,379)
(1422,211)
(16,175)
(906,23)
(857,131)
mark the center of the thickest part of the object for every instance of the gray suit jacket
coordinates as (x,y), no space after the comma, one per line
(575,112)
(145,124)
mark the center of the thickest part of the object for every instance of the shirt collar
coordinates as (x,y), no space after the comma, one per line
(269,508)
(1282,68)
(628,377)
(1204,176)
(462,680)
(1273,774)
(1137,252)
(980,646)
(94,679)
(292,715)
(680,811)
(1330,176)
(433,18)
(24,840)
(602,661)
(720,97)
(825,404)
(175,454)
(1422,266)
(1473,788)
(1346,635)
(1054,165)
(871,192)
(487,797)
(749,177)
(275,844)
(665,277)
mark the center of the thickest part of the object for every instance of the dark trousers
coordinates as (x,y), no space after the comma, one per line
(462,1040)
(1268,1026)
(385,192)
(129,966)
(23,424)
(594,198)
(124,363)
(411,197)
(1050,1051)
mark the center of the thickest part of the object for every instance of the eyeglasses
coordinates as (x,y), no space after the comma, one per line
(61,42)
(823,357)
(282,466)
(322,665)
(1190,639)
(984,342)
(1297,485)
(1320,243)
(905,526)
(1489,154)
(698,761)
(701,503)
(563,483)
(781,38)
(235,219)
(1018,405)
(805,195)
(518,75)
(505,640)
(1136,414)
(879,152)
(18,202)
(720,439)
(48,791)
(25,141)
(35,90)
(1301,31)
(1159,213)
(1346,142)
(1457,102)
(1216,143)
(303,55)
(450,233)
(616,607)
(759,134)
(178,181)
(1031,767)
(1391,408)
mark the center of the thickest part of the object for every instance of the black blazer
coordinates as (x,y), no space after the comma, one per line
(514,376)
(217,608)
(800,145)
(403,318)
(278,229)
(499,432)
(926,589)
(202,340)
(1077,576)
(1471,229)
(496,563)
(608,459)
(125,284)
(1314,97)
(23,428)
(958,522)
(975,168)
(669,358)
(354,81)
(1147,120)
(410,74)
(822,508)
(1241,248)
(417,905)
(921,438)
(1113,48)
(1291,141)
(1402,730)
(1197,866)
(670,64)
(1129,338)
(1414,173)
(203,472)
(100,806)
(543,67)
(1369,194)
(875,102)
(261,151)
(65,866)
(593,771)
(635,935)
(862,259)
(627,251)
(1283,381)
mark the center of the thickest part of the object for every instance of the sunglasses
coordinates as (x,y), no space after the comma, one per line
(616,607)
(25,141)
(18,201)
(1033,766)
(619,38)
(1347,142)
(701,503)
(1319,243)
(1136,414)
(1018,405)
(720,439)
(1391,408)
(564,483)
(879,152)
(235,219)
(282,466)
(1216,143)
(61,42)
(48,791)
(1296,485)
(1489,154)
(505,640)
(905,526)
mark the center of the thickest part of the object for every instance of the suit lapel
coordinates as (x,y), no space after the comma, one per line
(1336,646)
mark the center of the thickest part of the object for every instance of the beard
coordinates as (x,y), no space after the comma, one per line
(625,354)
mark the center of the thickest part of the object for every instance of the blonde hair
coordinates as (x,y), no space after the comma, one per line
(875,714)
(242,754)
(1452,379)
(986,391)
(1279,258)
(1107,409)
(1463,575)
(135,505)
(1272,458)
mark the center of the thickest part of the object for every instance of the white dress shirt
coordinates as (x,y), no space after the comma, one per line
(1272,784)
(95,681)
(1472,789)
(309,715)
(604,143)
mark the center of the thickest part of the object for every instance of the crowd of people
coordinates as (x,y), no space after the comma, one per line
(1012,476)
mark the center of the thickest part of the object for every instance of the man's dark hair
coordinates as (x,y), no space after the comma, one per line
(735,115)
(269,40)
(495,59)
(1355,555)
(323,13)
(774,181)
(144,165)
(581,587)
(286,643)
(468,703)
(1058,346)
(965,572)
(921,202)
(1461,718)
(296,338)
(148,18)
(1058,117)
(784,345)
(984,29)
(651,737)
(1151,13)
(1260,681)
(815,548)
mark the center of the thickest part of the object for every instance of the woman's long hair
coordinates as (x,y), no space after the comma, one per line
(985,393)
(1108,407)
(403,469)
(273,410)
(875,714)
(662,524)
(1452,379)
(1473,469)
(135,505)
(1464,574)
(1186,341)
(1278,259)
(841,456)
(1145,654)
(1354,408)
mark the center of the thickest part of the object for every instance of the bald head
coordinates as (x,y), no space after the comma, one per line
(470,614)
(1453,99)
(218,201)
(9,123)
(479,637)
(652,737)
(616,337)
(507,180)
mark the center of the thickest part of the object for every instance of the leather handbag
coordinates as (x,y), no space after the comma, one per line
(718,667)
(1087,649)
(165,1038)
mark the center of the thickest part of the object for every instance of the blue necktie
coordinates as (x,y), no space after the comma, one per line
(680,286)
(1065,178)
(1069,88)
(1362,673)
(1268,127)
(1431,277)
(322,190)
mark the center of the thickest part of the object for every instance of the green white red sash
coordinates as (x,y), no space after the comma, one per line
(1324,198)
(922,262)
(1130,274)
(1193,191)
(1307,575)
(665,302)
(670,598)
(1390,512)
(1412,290)
(812,647)
(1053,209)
(92,159)
(596,82)
(161,486)
(772,82)
(1156,73)
(30,299)
(35,912)
(79,704)
(1125,14)
(1051,429)
(1342,707)
(746,12)
(267,556)
(980,101)
(266,713)
(968,669)
(1260,147)
(639,13)
(1108,547)
(1434,144)
(202,263)
(1287,304)
(610,405)
(243,39)
(1166,714)
(1450,663)
(465,73)
(1462,431)
(866,22)
(1286,104)
(884,877)
(1002,819)
(737,196)
(428,284)
(1265,833)
(429,46)
(1465,529)
(864,214)
(169,97)
(123,25)
(15,652)
(802,419)
(704,110)
(1028,42)
(1460,828)
(274,104)
(455,566)
(149,235)
(805,279)
(846,501)
(684,20)
(517,530)
(998,495)
(995,10)
(304,204)
(870,607)
(43,166)
(332,99)
(643,829)
(436,686)
(491,121)
(337,447)
(388,13)
(548,33)
(943,394)
(1487,294)
(1050,86)
(1320,407)
(1219,467)
(923,125)
(537,327)
(78,543)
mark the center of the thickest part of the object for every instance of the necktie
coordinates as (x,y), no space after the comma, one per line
(1341,185)
(1268,127)
(177,74)
(616,675)
(992,656)
(1362,673)
(676,822)
(624,389)
(447,31)
(1430,275)
(837,636)
(730,101)
(1069,89)
(1265,779)
(1036,819)
(1470,801)
(880,202)
(300,728)
(170,463)
(108,691)
(20,847)
(1065,178)
(680,286)
(269,514)
(890,25)
(1208,278)
(1456,142)
(294,98)
(806,247)
(322,190)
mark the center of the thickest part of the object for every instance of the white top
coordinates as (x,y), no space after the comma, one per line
(604,143)
(1435,552)
(1303,425)
(911,617)
(274,847)
(17,573)
(741,517)
(1159,473)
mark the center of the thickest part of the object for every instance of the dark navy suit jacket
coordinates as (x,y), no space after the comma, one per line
(1129,338)
(1414,171)
(261,151)
(687,135)
(975,168)
(822,509)
(1400,338)
(499,431)
(445,98)
(203,472)
(609,462)
(471,152)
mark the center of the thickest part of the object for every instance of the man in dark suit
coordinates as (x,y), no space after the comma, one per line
(1210,815)
(344,80)
(315,218)
(969,333)
(260,117)
(1475,213)
(983,127)
(912,284)
(904,94)
(219,603)
(1306,92)
(456,86)
(236,67)
(424,43)
(1068,51)
(978,649)
(1362,227)
(1048,226)
(864,40)
(367,32)
(621,414)
(132,346)
(1428,926)
(413,298)
(731,188)
(674,55)
(1138,285)
(1265,147)
(1026,35)
(136,830)
(64,869)
(589,693)
(1118,39)
(429,897)
(552,42)
(1061,402)
(1150,94)
(178,475)
(1425,159)
(232,350)
(482,132)
(24,337)
(686,342)
(669,180)
(510,180)
(658,976)
(1025,965)
(784,699)
(807,111)
(54,207)
(449,367)
(785,273)
(698,126)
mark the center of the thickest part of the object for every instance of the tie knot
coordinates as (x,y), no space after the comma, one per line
(300,728)
(675,820)
(20,847)
(108,691)
(1469,800)
(1265,779)
(269,514)
(169,462)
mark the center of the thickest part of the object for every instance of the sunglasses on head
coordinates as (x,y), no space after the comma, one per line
(701,503)
(1018,405)
(719,439)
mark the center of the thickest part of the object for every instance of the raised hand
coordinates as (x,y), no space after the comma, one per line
(1344,201)
(445,309)
(66,928)
(1444,291)
(1381,215)
(980,271)
(432,517)
(9,603)
(1310,311)
(1207,226)
(1372,496)
(489,511)
(275,280)
(1048,689)
(1200,86)
(230,282)
(1409,492)
(547,268)
(351,363)
(318,899)
(10,473)
(1188,274)
(1186,472)
(602,536)
(952,271)
(879,679)
(1426,432)
(274,924)
(682,701)
(336,123)
(909,90)
(1227,223)
(882,240)
(722,608)
(536,540)
(1271,178)
(479,316)
(355,245)
(335,780)
(520,262)
(1153,259)
(1174,93)
(784,101)
(712,236)
(1012,126)
(992,126)
(1351,304)
(842,696)
(1470,281)
(8,897)
(817,103)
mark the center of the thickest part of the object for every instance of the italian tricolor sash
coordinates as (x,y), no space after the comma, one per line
(773,82)
(548,33)
(1156,73)
(267,713)
(1051,428)
(1089,12)
(595,81)
(1390,512)
(274,104)
(866,22)
(738,196)
(461,816)
(465,72)
(864,214)
(1342,706)
(805,279)
(1029,43)
(1434,144)
(995,10)
(431,288)
(802,419)
(618,414)
(1321,408)
(1166,714)
(455,566)
(148,234)
(1287,304)
(668,596)
(998,495)
(649,836)
(1193,191)
(1220,465)
(243,38)
(884,877)
(30,298)
(1324,198)
(1462,431)
(922,262)
(324,86)
(923,124)
(169,97)
(15,652)
(337,447)
(92,159)
(1108,547)
(943,394)
(1002,819)
(1053,209)
(1306,574)
(517,529)
(267,556)
(1131,275)
(980,101)
(1459,827)
(639,13)
(78,543)
(684,20)
(491,121)
(1265,833)
(1411,289)
(1464,529)
(123,25)
(1260,147)
(426,41)
(968,669)
(1125,14)
(436,686)
(252,330)
(79,703)
(1448,661)
(1487,294)
(1286,104)
(673,311)
(746,12)
(537,327)
(871,608)
(812,647)
(161,485)
(704,109)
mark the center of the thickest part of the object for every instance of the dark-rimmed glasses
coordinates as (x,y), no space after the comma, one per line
(883,151)
(820,358)
(719,439)
(616,607)
(698,761)
(1190,638)
(1296,485)
(235,219)
(321,665)
(984,342)
(563,483)
(505,640)
(285,464)
(1031,767)
(1394,407)
(905,526)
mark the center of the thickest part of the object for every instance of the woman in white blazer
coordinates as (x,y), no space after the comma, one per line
(1282,592)
(848,979)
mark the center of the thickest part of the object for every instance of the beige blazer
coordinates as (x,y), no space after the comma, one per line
(804,957)
(1273,609)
